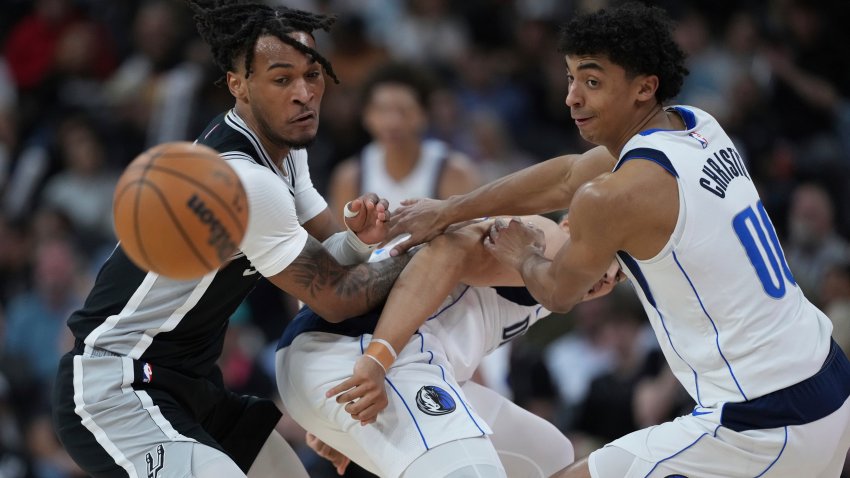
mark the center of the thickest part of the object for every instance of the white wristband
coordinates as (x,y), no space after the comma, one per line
(347,212)
(387,345)
(377,362)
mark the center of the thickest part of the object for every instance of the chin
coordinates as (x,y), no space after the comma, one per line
(300,143)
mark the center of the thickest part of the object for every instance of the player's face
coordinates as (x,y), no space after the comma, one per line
(602,99)
(394,115)
(285,91)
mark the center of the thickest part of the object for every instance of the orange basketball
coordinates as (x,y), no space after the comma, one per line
(180,210)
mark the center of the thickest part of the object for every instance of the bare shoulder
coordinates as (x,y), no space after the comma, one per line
(459,176)
(638,204)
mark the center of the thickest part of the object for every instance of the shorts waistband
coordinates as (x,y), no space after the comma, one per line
(804,402)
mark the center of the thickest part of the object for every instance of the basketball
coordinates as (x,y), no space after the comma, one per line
(180,210)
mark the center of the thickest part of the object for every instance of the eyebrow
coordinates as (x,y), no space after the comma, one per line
(280,65)
(591,65)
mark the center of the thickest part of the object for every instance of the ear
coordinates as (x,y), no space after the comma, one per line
(647,86)
(237,84)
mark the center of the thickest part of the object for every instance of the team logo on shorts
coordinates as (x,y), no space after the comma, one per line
(147,371)
(433,400)
(155,464)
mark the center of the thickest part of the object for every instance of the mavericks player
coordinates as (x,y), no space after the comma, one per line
(436,419)
(680,211)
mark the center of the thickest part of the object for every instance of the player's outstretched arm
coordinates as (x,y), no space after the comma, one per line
(334,291)
(544,187)
(454,257)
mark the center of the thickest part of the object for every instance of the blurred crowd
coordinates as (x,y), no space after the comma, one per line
(86,85)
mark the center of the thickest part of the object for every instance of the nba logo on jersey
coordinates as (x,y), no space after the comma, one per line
(147,370)
(700,138)
(433,400)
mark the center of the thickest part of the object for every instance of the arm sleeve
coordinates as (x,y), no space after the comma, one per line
(274,237)
(308,201)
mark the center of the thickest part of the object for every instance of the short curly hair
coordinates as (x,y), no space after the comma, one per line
(634,36)
(232,27)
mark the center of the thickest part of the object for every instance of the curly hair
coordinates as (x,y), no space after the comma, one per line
(232,27)
(397,73)
(633,36)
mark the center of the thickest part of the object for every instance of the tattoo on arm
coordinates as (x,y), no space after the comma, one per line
(316,271)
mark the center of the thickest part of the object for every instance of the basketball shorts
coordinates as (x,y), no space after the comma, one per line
(799,431)
(427,406)
(121,417)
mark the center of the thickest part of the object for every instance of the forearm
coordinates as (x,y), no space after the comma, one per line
(347,248)
(537,189)
(420,289)
(538,274)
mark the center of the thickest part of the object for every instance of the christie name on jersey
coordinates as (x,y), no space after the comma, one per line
(720,170)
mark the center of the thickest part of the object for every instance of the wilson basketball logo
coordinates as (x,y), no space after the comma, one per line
(219,237)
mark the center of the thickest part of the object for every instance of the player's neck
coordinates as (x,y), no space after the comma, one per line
(651,117)
(276,152)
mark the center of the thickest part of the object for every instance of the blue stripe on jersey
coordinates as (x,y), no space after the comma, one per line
(412,416)
(669,339)
(680,451)
(633,266)
(716,332)
(452,303)
(810,400)
(777,456)
(687,115)
(649,154)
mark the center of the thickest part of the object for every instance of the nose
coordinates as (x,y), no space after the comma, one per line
(574,97)
(302,92)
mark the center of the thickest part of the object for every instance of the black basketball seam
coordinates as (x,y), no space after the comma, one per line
(206,189)
(180,229)
(141,180)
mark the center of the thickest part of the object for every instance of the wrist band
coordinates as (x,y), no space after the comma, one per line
(378,362)
(347,212)
(387,345)
(381,352)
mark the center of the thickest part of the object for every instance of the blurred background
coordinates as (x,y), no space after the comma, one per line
(86,85)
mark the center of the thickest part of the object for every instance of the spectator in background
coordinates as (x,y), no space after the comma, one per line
(35,329)
(83,190)
(400,163)
(428,33)
(835,296)
(813,244)
(153,90)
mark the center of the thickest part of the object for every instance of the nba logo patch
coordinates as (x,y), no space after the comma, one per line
(147,372)
(700,138)
(433,400)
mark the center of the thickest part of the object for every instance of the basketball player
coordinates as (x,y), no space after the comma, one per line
(140,394)
(433,409)
(680,211)
(399,161)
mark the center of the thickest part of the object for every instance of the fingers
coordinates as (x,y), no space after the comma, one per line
(342,465)
(345,385)
(402,246)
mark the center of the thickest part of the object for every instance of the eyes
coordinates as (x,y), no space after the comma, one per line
(591,83)
(311,76)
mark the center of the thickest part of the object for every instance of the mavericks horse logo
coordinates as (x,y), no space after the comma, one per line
(433,400)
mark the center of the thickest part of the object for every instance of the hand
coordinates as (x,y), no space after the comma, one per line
(606,284)
(339,461)
(512,242)
(372,226)
(423,219)
(364,392)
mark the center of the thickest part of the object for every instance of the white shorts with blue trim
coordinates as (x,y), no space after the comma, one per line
(743,440)
(427,406)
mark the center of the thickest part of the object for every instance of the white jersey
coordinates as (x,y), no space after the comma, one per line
(731,320)
(423,181)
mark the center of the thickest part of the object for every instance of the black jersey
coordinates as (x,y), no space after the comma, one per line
(175,324)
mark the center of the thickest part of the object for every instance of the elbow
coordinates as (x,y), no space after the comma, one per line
(558,304)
